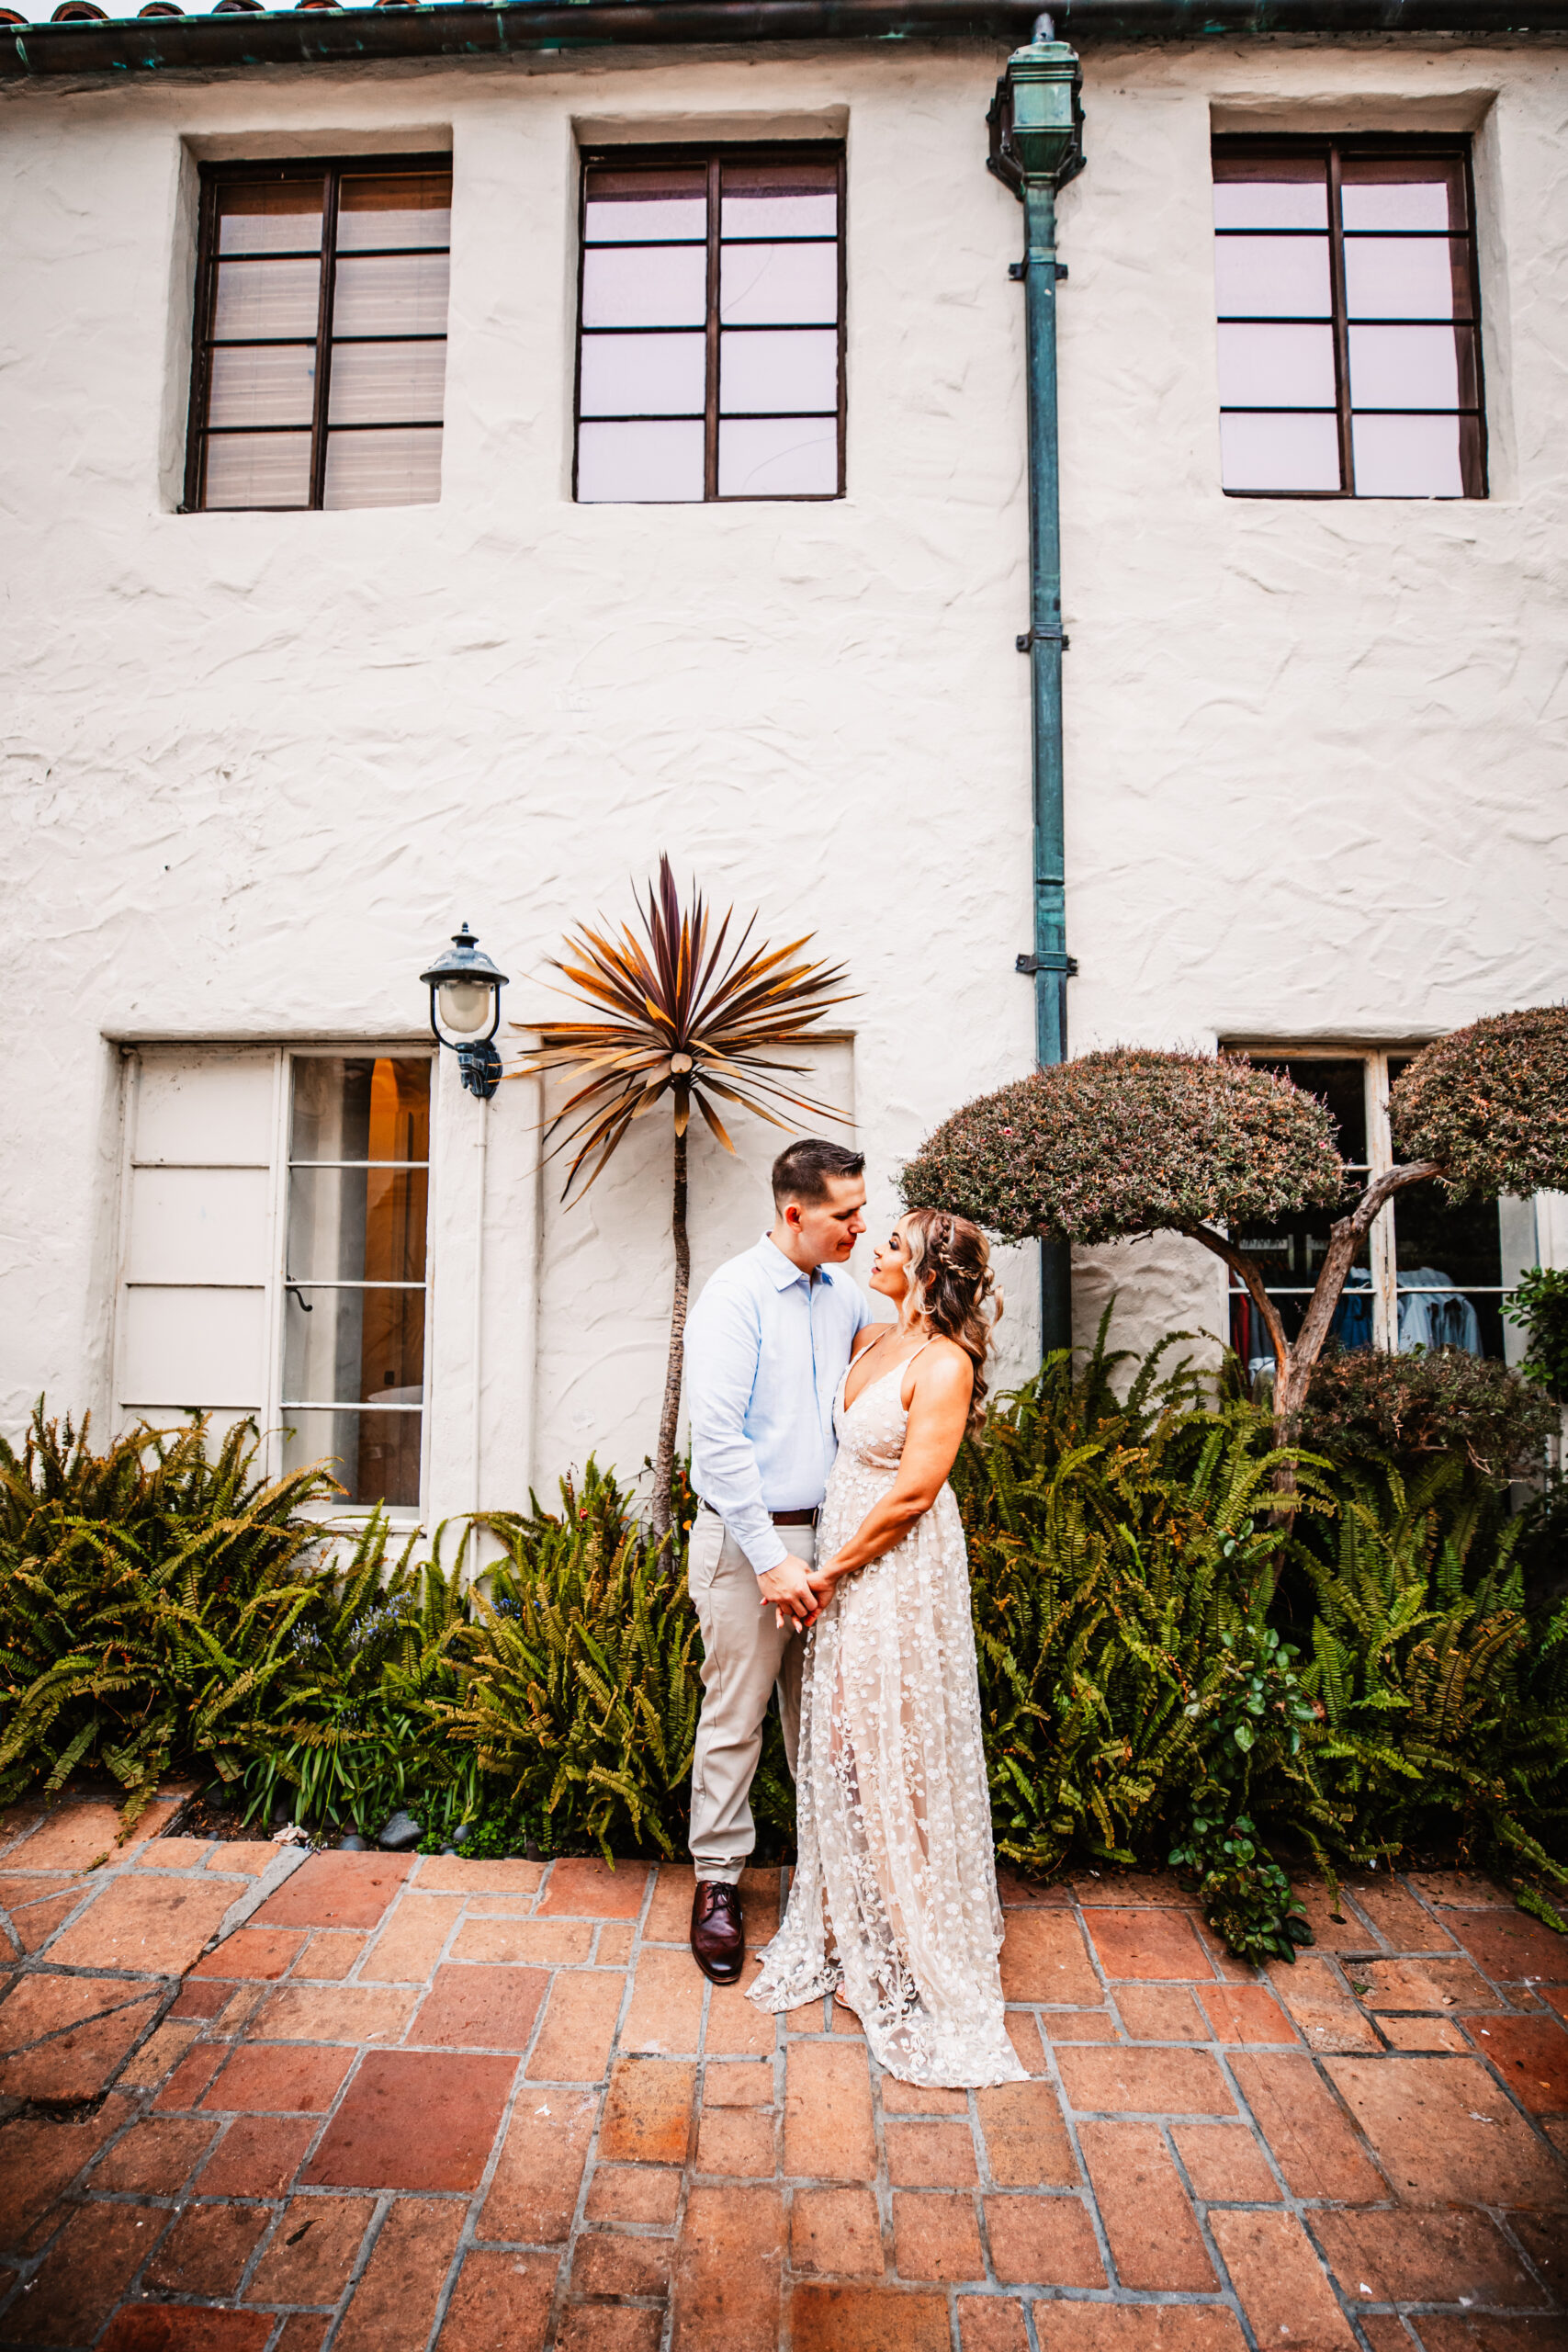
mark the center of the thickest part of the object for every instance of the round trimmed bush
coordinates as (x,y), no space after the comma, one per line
(1129,1141)
(1490,1105)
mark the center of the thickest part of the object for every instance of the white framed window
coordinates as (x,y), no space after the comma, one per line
(1430,1275)
(275,1225)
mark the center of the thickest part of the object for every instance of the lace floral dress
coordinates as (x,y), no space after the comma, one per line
(895,1891)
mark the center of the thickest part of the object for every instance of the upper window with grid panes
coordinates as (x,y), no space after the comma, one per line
(1348,319)
(320,358)
(710,351)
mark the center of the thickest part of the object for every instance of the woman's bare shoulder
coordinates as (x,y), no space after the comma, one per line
(942,1369)
(867,1337)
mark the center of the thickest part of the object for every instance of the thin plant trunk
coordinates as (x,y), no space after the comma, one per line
(664,1459)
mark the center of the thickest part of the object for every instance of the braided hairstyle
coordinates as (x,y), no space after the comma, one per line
(953,1287)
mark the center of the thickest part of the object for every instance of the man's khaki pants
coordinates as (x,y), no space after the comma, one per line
(748,1655)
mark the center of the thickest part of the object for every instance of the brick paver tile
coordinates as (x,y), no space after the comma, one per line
(156,2158)
(532,2194)
(413,2120)
(1041,2241)
(1385,2331)
(642,2193)
(1153,2232)
(866,2319)
(1023,2033)
(1442,2257)
(579,2029)
(648,2111)
(1145,2082)
(665,2018)
(336,2013)
(1441,2129)
(1328,2018)
(201,1996)
(829,2134)
(729,2266)
(1145,1942)
(1018,1891)
(38,2160)
(1424,2033)
(1224,2161)
(760,1903)
(1546,2243)
(538,1943)
(609,2327)
(1531,2056)
(15,1894)
(207,2249)
(477,2008)
(920,2098)
(313,2251)
(1308,2134)
(1075,2025)
(395,2300)
(336,1890)
(155,1925)
(499,2300)
(302,2332)
(75,1837)
(1469,1890)
(1147,2327)
(739,2082)
(736,2143)
(607,2265)
(1480,2332)
(1044,1959)
(194,2327)
(592,1890)
(174,1854)
(253,1953)
(1512,1947)
(45,2005)
(191,2075)
(1161,2013)
(1245,2013)
(1420,1984)
(249,1856)
(836,2232)
(1336,1927)
(80,2063)
(737,2027)
(669,1917)
(280,2078)
(936,2237)
(1026,2141)
(450,1874)
(1284,2287)
(162,2051)
(614,1949)
(257,2156)
(35,1922)
(83,2275)
(929,2156)
(412,1940)
(991,2323)
(329,1956)
(1405,1924)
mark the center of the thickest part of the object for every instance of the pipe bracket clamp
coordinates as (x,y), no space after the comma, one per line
(1033,637)
(1048,961)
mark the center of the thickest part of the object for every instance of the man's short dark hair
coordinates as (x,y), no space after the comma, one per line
(803,1171)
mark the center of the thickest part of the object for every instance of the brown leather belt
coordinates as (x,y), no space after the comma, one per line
(792,1518)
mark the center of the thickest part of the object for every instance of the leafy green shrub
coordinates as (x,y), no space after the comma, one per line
(1364,1406)
(1539,1303)
(1489,1104)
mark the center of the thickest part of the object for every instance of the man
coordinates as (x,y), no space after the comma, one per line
(766,1347)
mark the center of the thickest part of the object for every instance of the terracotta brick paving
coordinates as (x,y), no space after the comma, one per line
(251,2102)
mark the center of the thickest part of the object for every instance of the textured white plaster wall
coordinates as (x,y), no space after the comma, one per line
(258,765)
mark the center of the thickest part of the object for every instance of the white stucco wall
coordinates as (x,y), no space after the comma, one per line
(259,765)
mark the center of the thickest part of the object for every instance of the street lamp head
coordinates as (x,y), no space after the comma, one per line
(464,994)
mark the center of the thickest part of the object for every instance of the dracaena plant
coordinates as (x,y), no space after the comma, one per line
(683,1016)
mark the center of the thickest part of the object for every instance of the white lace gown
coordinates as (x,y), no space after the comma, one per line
(895,1891)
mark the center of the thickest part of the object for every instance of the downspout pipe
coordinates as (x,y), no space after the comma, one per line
(1036,126)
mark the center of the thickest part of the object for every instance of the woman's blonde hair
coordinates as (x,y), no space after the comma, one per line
(952,1285)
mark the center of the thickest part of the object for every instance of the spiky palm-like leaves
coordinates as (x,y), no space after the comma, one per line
(683,1015)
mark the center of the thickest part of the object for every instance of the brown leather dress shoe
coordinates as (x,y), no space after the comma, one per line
(718,1931)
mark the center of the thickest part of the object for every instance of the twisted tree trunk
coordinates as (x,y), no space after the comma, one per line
(664,1459)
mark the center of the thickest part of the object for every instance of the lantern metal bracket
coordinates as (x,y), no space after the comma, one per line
(478,1066)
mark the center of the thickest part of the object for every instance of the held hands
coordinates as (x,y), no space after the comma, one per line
(789,1590)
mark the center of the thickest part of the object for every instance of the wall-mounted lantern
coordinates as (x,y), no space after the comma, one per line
(464,994)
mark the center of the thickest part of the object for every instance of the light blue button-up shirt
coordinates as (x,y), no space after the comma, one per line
(766,1346)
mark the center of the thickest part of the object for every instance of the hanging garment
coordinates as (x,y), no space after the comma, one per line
(1435,1314)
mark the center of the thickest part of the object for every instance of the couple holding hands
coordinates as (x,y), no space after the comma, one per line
(828,1561)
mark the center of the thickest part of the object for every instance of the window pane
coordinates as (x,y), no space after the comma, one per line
(1277,366)
(395,209)
(1403,192)
(1278,452)
(397,294)
(1271,192)
(361,1107)
(376,383)
(766,371)
(266,298)
(373,1456)
(633,206)
(778,458)
(1340,1086)
(1408,457)
(643,374)
(1406,277)
(389,466)
(346,1347)
(357,1223)
(666,287)
(270,216)
(257,469)
(778,285)
(1411,367)
(269,384)
(627,464)
(1273,276)
(1442,1253)
(780,200)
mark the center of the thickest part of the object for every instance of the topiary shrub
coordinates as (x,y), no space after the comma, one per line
(1364,1406)
(1488,1105)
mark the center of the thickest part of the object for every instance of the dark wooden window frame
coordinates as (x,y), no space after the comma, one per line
(330,170)
(1453,147)
(713,155)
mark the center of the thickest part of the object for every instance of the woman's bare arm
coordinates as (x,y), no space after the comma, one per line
(939,1414)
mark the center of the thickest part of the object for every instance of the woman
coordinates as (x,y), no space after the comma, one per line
(894,1892)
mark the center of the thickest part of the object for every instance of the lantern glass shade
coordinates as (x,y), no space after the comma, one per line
(464,1005)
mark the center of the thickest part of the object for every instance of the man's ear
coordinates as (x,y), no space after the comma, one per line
(792,1214)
